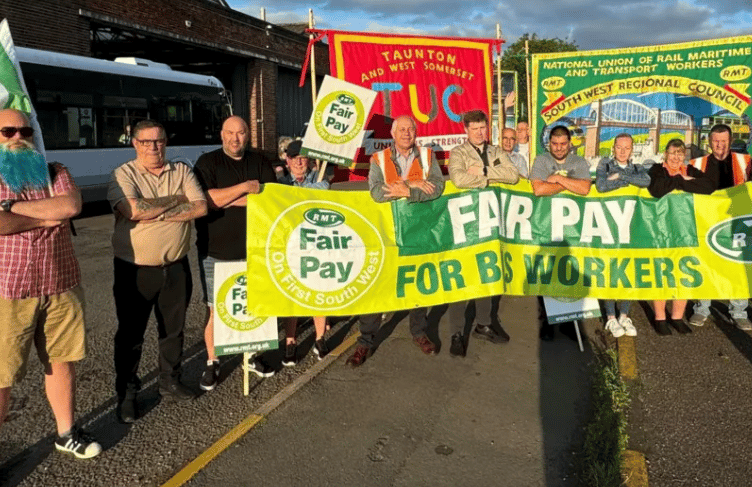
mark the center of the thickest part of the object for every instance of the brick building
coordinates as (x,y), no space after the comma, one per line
(258,62)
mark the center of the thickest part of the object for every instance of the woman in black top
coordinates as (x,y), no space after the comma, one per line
(674,175)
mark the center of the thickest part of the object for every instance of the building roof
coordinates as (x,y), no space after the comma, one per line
(299,28)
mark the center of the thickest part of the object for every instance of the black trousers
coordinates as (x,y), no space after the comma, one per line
(370,324)
(483,307)
(138,290)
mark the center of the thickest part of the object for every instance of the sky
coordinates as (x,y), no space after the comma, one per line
(591,24)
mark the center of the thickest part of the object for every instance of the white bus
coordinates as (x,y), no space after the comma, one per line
(87,106)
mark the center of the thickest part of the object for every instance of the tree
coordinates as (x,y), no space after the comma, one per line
(514,59)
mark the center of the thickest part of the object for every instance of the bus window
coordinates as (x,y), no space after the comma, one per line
(85,106)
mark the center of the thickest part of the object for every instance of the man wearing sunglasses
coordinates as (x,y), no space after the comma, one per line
(41,301)
(154,201)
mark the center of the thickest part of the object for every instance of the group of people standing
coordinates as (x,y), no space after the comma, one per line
(155,201)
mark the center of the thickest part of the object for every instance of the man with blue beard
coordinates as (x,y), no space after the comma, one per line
(41,301)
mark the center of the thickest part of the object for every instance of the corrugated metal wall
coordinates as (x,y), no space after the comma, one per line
(293,103)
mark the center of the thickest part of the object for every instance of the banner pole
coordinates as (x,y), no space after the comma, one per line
(502,115)
(311,24)
(528,65)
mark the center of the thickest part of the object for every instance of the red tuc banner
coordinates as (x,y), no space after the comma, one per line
(432,79)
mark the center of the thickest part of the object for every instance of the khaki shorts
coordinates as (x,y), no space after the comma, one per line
(54,323)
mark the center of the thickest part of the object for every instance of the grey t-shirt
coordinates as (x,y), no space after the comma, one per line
(574,167)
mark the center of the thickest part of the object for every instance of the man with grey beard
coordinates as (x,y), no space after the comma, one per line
(41,301)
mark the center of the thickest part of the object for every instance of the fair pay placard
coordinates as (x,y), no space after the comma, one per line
(235,330)
(335,130)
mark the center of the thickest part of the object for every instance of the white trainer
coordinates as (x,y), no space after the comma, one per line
(614,327)
(629,328)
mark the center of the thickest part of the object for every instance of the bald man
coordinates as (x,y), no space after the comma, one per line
(227,175)
(402,171)
(508,141)
(41,301)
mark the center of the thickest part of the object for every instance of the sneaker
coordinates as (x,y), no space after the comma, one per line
(629,328)
(290,360)
(697,319)
(78,443)
(457,348)
(614,327)
(743,324)
(210,376)
(259,368)
(320,348)
(486,332)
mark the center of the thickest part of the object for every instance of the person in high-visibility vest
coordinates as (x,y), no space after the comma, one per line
(407,171)
(727,169)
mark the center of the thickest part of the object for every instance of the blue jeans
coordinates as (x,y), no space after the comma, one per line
(737,308)
(610,305)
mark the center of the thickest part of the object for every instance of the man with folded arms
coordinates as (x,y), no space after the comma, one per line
(401,171)
(41,300)
(556,171)
(227,175)
(154,201)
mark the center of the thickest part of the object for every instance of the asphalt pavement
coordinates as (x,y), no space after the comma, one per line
(507,414)
(692,409)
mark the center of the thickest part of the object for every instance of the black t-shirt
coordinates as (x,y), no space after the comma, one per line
(725,170)
(222,233)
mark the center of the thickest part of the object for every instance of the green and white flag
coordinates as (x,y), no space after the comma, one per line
(336,128)
(13,92)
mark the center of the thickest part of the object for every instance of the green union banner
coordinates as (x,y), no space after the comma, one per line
(497,213)
(654,93)
(340,253)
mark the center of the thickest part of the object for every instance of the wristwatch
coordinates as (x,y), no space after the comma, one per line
(6,205)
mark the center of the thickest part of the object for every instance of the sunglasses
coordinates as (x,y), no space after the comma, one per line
(9,132)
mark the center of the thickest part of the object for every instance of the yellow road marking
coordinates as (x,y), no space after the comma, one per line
(634,470)
(237,432)
(627,358)
(213,451)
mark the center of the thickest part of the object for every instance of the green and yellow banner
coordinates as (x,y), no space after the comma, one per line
(314,252)
(654,93)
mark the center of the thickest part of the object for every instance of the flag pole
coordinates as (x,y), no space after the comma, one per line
(501,115)
(311,24)
(527,75)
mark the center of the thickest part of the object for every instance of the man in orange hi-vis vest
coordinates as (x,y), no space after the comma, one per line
(475,164)
(400,171)
(727,169)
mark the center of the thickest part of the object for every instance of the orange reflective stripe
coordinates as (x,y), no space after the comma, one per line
(389,168)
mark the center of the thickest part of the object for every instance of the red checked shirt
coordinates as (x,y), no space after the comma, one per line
(40,261)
